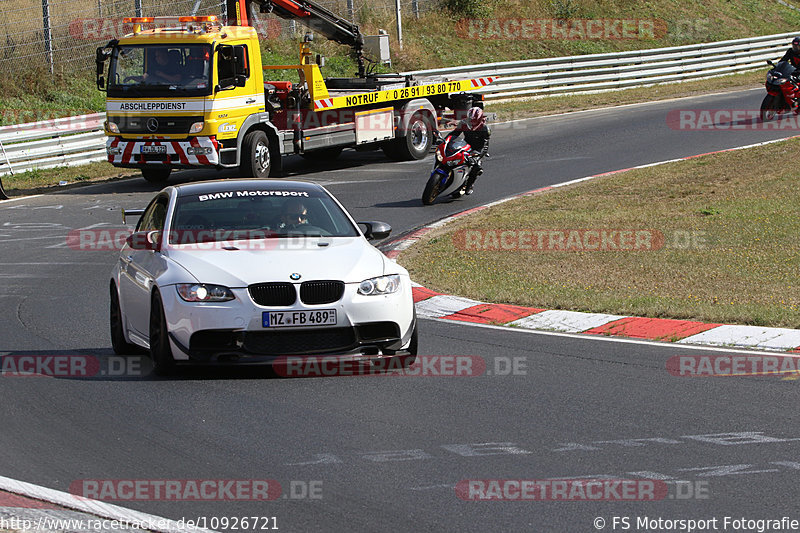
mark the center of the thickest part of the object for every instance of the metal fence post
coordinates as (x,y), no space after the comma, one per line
(415,8)
(48,34)
(399,24)
(137,4)
(351,10)
(3,195)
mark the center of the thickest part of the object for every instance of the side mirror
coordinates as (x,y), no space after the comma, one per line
(375,231)
(131,213)
(144,240)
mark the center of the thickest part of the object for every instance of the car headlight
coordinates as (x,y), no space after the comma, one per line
(381,285)
(203,292)
(197,127)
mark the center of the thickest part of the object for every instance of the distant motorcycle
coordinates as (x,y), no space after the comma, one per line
(450,170)
(779,94)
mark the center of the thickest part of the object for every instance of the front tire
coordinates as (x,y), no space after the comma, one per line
(156,175)
(160,350)
(256,156)
(769,107)
(118,342)
(432,188)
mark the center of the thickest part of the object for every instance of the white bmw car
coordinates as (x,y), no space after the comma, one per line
(249,270)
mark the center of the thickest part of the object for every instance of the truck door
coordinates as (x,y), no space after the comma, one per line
(236,94)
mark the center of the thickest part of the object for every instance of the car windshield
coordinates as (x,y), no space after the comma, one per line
(257,214)
(153,70)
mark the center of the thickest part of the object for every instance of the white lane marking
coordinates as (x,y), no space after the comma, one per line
(746,336)
(604,338)
(97,508)
(33,238)
(48,263)
(439,306)
(566,321)
(4,202)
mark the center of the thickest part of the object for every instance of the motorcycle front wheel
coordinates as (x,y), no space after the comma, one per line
(432,188)
(769,107)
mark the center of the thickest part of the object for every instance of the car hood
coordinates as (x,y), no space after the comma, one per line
(349,259)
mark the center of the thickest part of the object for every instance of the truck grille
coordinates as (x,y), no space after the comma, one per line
(274,293)
(307,341)
(321,292)
(137,124)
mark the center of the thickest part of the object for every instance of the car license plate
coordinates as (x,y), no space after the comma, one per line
(280,319)
(154,149)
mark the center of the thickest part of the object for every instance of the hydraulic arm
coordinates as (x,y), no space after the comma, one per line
(310,14)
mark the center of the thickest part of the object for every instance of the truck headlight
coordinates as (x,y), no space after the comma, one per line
(203,292)
(112,126)
(381,285)
(197,127)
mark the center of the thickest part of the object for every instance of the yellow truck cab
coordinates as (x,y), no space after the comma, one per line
(188,92)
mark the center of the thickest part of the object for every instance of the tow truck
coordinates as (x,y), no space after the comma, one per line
(190,92)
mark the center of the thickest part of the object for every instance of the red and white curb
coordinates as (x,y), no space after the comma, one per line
(22,502)
(431,304)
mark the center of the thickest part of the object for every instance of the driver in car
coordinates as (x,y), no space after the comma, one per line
(294,214)
(164,67)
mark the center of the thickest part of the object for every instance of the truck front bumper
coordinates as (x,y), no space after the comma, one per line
(195,151)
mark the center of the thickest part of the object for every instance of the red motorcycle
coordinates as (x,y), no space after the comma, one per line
(782,90)
(450,170)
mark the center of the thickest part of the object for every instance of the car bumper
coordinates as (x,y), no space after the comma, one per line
(195,151)
(231,331)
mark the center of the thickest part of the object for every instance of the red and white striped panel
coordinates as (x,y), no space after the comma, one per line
(325,103)
(176,149)
(482,82)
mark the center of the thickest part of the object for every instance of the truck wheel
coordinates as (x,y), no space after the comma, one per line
(416,143)
(156,175)
(256,157)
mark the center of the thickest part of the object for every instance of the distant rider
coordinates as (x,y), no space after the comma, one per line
(476,134)
(792,55)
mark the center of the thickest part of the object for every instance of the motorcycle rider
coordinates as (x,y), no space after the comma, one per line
(792,55)
(476,134)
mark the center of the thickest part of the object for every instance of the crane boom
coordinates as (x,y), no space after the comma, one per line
(310,14)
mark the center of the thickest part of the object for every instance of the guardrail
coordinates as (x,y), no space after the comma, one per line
(79,140)
(620,70)
(53,143)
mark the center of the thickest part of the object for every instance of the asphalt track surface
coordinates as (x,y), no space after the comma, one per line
(387,452)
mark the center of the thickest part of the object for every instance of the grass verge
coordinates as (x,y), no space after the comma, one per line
(723,244)
(44,180)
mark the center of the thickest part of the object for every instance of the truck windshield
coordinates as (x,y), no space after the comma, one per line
(163,69)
